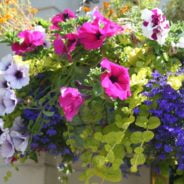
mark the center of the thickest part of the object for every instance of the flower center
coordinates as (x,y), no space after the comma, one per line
(98,35)
(18,74)
(113,79)
(65,16)
(5,84)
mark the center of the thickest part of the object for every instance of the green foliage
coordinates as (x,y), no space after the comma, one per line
(174,10)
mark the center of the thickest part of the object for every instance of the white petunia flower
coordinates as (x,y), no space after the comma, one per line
(8,101)
(17,76)
(5,62)
(155,26)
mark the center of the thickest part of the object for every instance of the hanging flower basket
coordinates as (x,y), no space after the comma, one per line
(105,88)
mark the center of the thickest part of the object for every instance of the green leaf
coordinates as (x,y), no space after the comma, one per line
(109,174)
(138,150)
(99,161)
(110,156)
(98,136)
(142,121)
(113,137)
(136,137)
(48,113)
(147,136)
(124,122)
(153,122)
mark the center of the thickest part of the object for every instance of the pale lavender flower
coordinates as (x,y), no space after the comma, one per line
(7,148)
(17,75)
(8,101)
(5,62)
(19,140)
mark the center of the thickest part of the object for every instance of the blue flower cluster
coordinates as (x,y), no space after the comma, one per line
(169,137)
(49,136)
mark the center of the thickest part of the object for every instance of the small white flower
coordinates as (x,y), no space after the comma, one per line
(8,101)
(17,76)
(5,62)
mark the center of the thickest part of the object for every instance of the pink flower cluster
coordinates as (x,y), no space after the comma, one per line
(61,17)
(29,41)
(90,34)
(115,81)
(155,26)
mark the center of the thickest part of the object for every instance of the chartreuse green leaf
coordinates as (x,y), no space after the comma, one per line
(113,137)
(124,122)
(141,121)
(136,137)
(109,174)
(175,81)
(138,159)
(147,136)
(99,161)
(153,122)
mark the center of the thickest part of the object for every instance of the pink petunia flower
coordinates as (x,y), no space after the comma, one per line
(155,26)
(65,45)
(93,34)
(70,101)
(30,40)
(115,80)
(109,27)
(61,17)
(59,45)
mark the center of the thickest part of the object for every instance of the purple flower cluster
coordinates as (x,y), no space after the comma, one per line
(169,137)
(50,137)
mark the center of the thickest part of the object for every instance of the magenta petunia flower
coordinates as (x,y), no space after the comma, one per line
(115,80)
(71,42)
(59,46)
(61,17)
(65,45)
(91,36)
(109,27)
(30,41)
(70,101)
